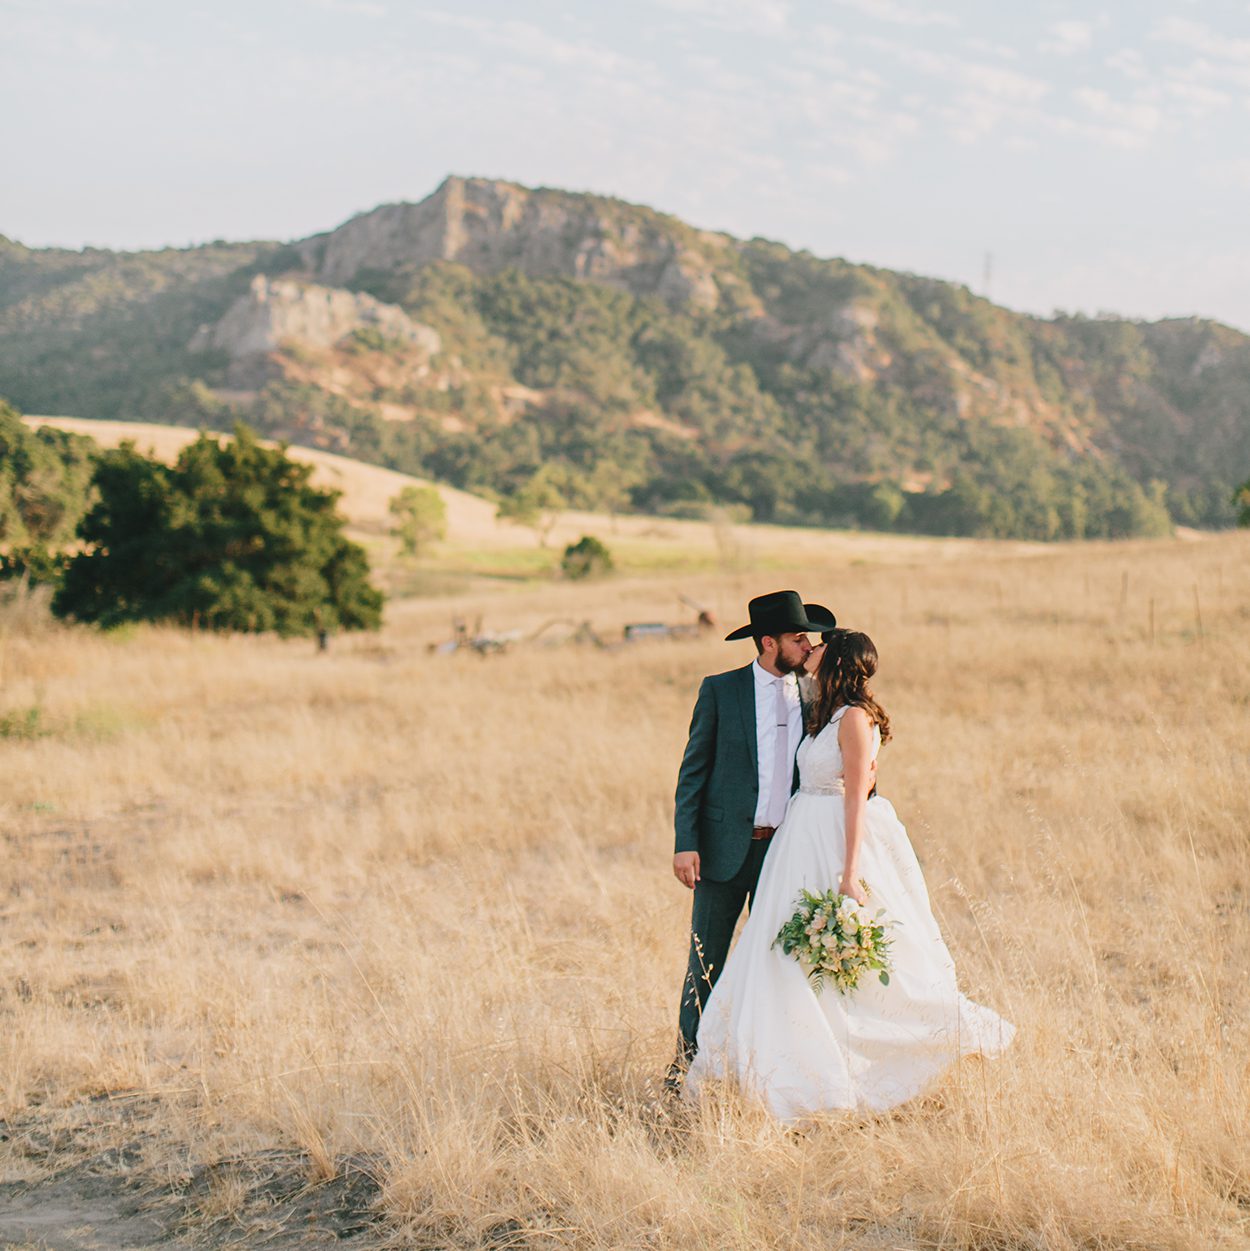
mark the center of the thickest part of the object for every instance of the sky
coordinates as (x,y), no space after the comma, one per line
(1055,156)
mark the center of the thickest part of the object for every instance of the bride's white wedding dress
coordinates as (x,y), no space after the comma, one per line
(877,1046)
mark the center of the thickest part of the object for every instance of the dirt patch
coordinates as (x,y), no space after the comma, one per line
(82,1195)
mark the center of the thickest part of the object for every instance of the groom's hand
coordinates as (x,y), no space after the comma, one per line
(686,868)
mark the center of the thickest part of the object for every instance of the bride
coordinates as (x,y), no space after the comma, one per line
(878,1045)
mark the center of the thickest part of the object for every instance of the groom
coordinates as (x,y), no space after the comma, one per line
(735,781)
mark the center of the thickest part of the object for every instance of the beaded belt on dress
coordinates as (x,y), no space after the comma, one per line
(831,788)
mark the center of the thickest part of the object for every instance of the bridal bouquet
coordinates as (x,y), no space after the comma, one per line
(832,937)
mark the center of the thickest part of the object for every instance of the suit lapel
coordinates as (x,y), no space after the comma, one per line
(746,704)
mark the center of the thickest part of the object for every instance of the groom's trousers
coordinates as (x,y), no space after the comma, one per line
(717,907)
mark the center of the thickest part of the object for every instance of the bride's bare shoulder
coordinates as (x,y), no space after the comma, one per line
(856,719)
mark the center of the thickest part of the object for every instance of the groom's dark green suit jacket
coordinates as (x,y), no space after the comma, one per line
(718,782)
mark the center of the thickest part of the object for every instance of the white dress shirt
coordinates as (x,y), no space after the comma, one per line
(766,730)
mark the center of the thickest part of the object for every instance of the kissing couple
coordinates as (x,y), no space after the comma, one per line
(773,798)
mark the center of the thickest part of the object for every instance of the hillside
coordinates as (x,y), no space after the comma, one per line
(492,333)
(478,542)
(366,489)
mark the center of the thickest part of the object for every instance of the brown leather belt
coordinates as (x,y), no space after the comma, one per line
(763,832)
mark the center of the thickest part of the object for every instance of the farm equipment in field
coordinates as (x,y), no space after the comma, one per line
(638,631)
(563,630)
(489,642)
(483,642)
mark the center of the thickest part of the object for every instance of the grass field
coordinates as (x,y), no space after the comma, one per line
(413,913)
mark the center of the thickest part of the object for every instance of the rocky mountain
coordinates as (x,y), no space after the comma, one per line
(511,339)
(278,313)
(489,226)
(274,312)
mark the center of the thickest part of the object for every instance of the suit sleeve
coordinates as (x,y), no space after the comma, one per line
(696,765)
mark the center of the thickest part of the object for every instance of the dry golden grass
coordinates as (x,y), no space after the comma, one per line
(417,906)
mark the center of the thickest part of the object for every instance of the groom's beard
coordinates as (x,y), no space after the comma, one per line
(789,664)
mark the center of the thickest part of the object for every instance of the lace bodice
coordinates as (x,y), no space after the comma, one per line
(820,759)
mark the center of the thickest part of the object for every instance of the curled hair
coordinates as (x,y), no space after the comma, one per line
(850,659)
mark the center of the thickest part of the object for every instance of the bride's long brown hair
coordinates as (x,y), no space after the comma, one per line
(850,659)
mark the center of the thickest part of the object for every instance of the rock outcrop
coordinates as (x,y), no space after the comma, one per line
(281,311)
(489,225)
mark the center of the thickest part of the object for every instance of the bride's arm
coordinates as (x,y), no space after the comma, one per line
(855,740)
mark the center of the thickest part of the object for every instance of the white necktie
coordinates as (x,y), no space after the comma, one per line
(779,795)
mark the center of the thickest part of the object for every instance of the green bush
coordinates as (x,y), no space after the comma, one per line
(587,558)
(420,518)
(231,537)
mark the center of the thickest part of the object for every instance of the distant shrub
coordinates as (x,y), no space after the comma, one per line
(587,558)
(420,517)
(1241,501)
(372,339)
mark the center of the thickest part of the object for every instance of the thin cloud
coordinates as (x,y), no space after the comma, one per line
(1069,37)
(1123,124)
(1196,98)
(770,17)
(35,33)
(353,8)
(533,41)
(986,47)
(900,14)
(1130,63)
(998,82)
(1180,32)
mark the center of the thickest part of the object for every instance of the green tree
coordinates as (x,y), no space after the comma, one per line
(540,501)
(231,537)
(421,517)
(884,505)
(190,402)
(610,485)
(44,480)
(1241,501)
(587,558)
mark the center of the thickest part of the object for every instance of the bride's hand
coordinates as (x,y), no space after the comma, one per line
(853,888)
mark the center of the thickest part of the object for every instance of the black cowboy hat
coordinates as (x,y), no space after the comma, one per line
(782,612)
(825,619)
